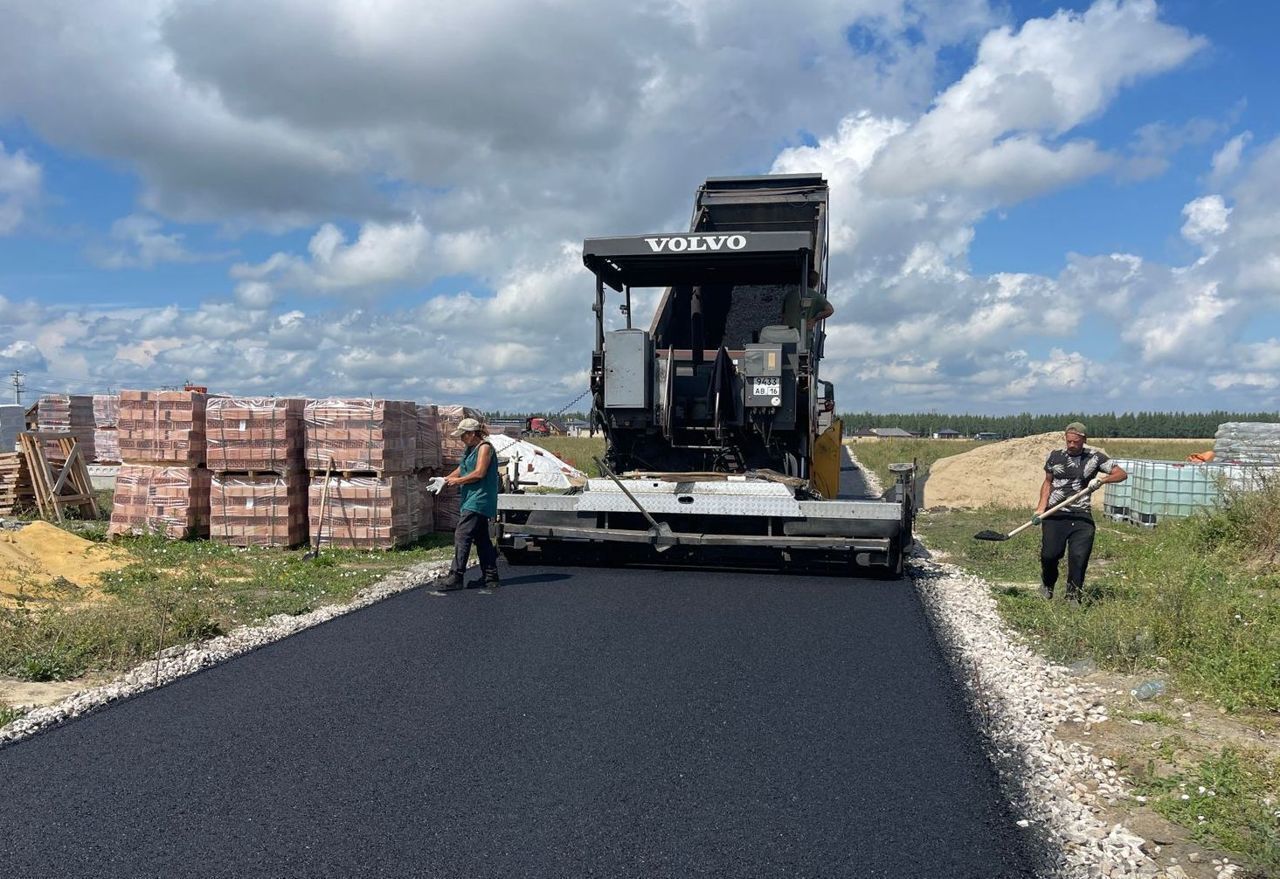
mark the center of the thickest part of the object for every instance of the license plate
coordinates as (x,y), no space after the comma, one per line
(766,387)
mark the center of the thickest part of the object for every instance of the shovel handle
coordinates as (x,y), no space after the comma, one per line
(604,468)
(1058,506)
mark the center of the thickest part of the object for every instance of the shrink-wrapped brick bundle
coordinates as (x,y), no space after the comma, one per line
(452,448)
(362,435)
(106,445)
(70,414)
(426,506)
(259,509)
(106,410)
(106,441)
(162,427)
(428,437)
(445,511)
(173,501)
(13,421)
(254,434)
(364,512)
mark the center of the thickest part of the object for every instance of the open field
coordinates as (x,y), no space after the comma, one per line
(577,451)
(878,454)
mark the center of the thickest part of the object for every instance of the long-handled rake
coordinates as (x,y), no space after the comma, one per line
(996,535)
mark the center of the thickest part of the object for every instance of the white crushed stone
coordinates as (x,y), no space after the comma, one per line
(186,659)
(1019,698)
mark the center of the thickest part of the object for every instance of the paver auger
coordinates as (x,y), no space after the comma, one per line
(721,444)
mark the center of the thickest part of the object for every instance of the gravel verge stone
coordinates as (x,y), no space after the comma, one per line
(185,659)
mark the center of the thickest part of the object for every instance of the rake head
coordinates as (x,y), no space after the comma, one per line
(990,535)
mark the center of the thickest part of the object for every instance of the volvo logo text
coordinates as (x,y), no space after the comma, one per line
(697,244)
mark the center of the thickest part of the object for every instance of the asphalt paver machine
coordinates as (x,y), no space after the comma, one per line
(721,444)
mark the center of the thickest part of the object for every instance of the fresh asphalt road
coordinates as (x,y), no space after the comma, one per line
(577,722)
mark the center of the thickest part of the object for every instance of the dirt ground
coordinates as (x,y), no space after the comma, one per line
(42,561)
(1130,743)
(1006,474)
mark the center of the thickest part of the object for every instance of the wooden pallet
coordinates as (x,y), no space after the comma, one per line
(62,485)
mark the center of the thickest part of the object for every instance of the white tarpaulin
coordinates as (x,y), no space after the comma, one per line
(535,465)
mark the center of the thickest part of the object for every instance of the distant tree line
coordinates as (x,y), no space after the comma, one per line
(1134,424)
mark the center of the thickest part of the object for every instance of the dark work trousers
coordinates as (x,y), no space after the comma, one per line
(474,528)
(1072,535)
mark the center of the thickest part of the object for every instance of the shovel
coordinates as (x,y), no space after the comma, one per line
(660,534)
(996,535)
(324,506)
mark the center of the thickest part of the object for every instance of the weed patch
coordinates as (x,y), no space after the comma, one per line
(1231,799)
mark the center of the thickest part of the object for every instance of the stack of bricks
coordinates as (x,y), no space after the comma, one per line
(259,491)
(106,443)
(376,496)
(71,414)
(172,501)
(163,486)
(452,449)
(162,427)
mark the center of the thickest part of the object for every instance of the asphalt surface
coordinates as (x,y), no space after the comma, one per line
(574,723)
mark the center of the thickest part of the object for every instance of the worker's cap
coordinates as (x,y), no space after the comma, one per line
(1077,427)
(466,425)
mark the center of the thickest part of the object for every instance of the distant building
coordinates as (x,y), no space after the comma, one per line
(860,432)
(577,427)
(891,433)
(947,433)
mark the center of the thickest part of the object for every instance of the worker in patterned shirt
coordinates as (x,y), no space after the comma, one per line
(1070,530)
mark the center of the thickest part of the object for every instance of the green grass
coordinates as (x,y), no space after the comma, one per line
(578,451)
(173,592)
(1232,800)
(8,714)
(1152,449)
(877,455)
(1196,600)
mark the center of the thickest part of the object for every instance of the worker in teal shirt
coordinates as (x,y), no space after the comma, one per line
(477,480)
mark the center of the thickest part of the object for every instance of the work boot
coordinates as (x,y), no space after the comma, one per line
(1046,593)
(488,581)
(451,583)
(1073,593)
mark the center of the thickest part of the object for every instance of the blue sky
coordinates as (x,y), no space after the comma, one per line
(1037,206)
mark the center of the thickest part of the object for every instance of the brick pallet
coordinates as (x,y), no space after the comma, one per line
(428,437)
(362,435)
(173,501)
(70,414)
(106,410)
(259,509)
(106,442)
(162,427)
(17,493)
(249,434)
(366,512)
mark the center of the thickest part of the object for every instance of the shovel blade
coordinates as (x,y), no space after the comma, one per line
(662,537)
(990,535)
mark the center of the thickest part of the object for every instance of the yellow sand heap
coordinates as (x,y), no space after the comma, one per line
(1006,474)
(36,559)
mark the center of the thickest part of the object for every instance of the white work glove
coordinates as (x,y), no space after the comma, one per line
(1095,485)
(436,485)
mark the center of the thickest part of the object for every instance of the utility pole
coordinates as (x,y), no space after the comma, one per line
(18,375)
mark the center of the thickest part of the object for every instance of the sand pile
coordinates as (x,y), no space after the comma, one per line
(38,558)
(1006,474)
